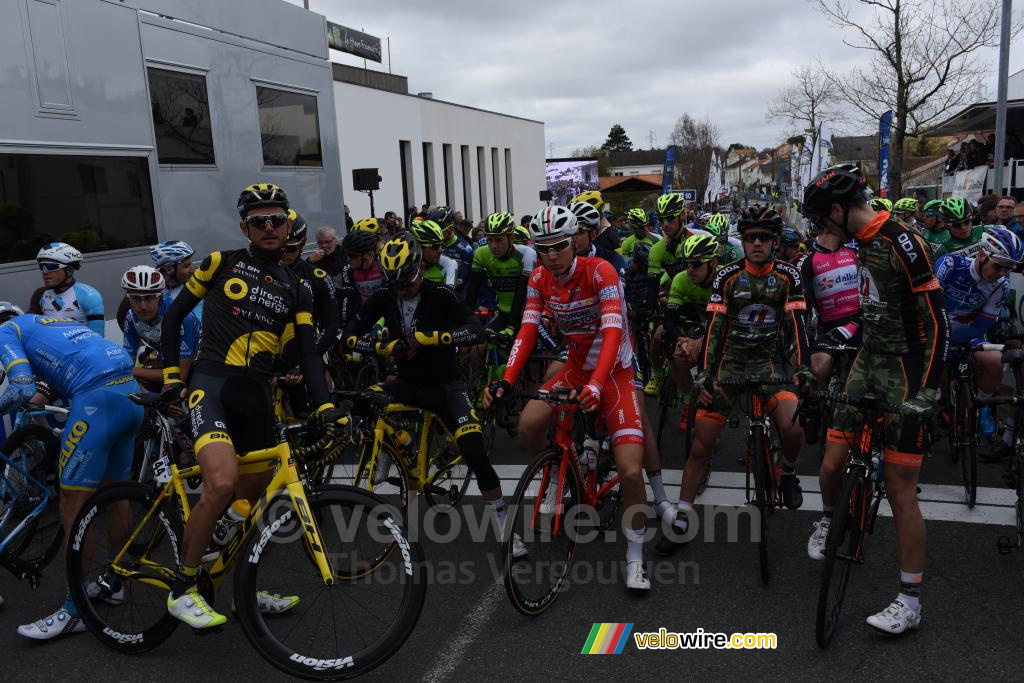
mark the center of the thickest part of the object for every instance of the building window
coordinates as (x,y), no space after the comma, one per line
(181,117)
(508,179)
(94,203)
(446,161)
(405,161)
(481,172)
(289,128)
(496,178)
(428,171)
(467,181)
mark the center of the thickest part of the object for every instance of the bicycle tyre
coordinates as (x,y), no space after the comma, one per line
(759,454)
(263,550)
(841,551)
(130,635)
(965,443)
(533,602)
(40,540)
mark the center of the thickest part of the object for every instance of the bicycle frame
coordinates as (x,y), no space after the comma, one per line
(416,467)
(6,489)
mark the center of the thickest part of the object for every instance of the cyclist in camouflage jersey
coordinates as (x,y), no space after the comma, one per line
(905,341)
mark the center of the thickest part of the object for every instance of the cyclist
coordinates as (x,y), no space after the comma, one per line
(506,266)
(251,298)
(456,247)
(61,294)
(145,291)
(881,204)
(730,247)
(588,220)
(962,235)
(96,376)
(974,291)
(584,294)
(905,333)
(372,227)
(362,275)
(522,235)
(755,303)
(906,210)
(437,267)
(640,225)
(325,303)
(427,321)
(789,246)
(173,258)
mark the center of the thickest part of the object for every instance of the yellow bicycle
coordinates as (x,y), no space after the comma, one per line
(359,580)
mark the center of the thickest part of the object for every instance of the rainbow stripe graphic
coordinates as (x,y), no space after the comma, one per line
(607,639)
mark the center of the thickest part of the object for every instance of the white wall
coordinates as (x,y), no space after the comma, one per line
(372,122)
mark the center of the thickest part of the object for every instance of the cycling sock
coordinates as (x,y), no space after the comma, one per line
(634,545)
(184,580)
(910,589)
(498,505)
(69,604)
(657,486)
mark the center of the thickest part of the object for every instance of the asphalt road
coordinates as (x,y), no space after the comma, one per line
(973,604)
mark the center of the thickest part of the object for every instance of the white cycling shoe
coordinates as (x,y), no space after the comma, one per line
(636,577)
(665,511)
(95,591)
(57,624)
(895,619)
(817,542)
(193,609)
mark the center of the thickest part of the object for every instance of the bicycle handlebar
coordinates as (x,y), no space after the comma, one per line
(34,409)
(835,348)
(556,396)
(968,346)
(753,382)
(866,402)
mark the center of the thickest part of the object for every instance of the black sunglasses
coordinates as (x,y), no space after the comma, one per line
(758,237)
(292,248)
(276,220)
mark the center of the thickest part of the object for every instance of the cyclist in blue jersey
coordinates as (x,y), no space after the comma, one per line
(96,377)
(974,291)
(173,258)
(145,290)
(61,295)
(456,247)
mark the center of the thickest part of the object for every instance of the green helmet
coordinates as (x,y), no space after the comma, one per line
(955,209)
(719,221)
(670,205)
(500,223)
(905,204)
(700,248)
(428,233)
(880,204)
(932,207)
(637,218)
(521,235)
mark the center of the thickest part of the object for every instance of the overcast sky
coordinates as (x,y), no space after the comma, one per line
(582,66)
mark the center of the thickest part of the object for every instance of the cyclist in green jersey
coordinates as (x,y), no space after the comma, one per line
(521,235)
(730,248)
(962,236)
(436,266)
(905,343)
(507,267)
(639,223)
(934,227)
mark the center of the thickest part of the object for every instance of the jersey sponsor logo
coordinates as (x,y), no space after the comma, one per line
(74,436)
(758,315)
(907,245)
(611,292)
(120,380)
(52,320)
(235,288)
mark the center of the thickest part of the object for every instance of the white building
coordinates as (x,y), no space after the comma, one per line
(636,162)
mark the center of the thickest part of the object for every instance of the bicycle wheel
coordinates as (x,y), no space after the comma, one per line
(534,580)
(351,626)
(964,442)
(759,453)
(127,609)
(31,450)
(384,476)
(841,552)
(448,475)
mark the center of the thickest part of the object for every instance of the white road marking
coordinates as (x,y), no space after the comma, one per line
(473,624)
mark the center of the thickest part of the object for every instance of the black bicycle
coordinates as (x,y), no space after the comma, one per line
(842,360)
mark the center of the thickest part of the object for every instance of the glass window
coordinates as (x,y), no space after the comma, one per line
(289,128)
(91,202)
(181,117)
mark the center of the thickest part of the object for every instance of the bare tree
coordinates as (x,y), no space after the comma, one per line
(805,104)
(696,141)
(924,61)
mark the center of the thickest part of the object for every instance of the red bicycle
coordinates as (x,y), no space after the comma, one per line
(570,492)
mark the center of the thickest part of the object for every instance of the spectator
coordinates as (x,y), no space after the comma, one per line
(458,217)
(348,219)
(477,234)
(327,255)
(525,220)
(952,162)
(1016,223)
(987,211)
(392,224)
(464,227)
(1004,210)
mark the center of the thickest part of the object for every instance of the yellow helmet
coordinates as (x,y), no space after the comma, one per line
(367,225)
(400,259)
(592,197)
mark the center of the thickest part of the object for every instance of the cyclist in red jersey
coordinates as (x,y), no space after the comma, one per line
(585,297)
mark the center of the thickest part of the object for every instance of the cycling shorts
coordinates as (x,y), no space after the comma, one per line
(232,409)
(99,438)
(619,405)
(724,398)
(893,378)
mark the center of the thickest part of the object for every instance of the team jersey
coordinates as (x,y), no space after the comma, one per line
(946,243)
(62,352)
(504,275)
(751,309)
(325,303)
(142,338)
(686,311)
(79,302)
(901,299)
(459,250)
(589,309)
(365,282)
(666,258)
(630,242)
(832,287)
(444,272)
(972,304)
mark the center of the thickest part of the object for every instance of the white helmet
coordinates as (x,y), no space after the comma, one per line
(552,222)
(61,253)
(143,279)
(9,310)
(170,252)
(705,216)
(586,214)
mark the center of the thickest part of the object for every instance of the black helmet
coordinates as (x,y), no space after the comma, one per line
(299,227)
(359,242)
(835,185)
(261,194)
(443,216)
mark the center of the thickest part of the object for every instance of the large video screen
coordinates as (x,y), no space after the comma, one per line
(568,177)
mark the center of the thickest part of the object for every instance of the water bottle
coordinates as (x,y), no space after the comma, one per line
(227,526)
(588,455)
(403,438)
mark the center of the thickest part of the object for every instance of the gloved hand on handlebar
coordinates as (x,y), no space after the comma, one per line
(590,396)
(921,405)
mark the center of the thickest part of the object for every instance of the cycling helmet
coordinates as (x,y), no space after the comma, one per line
(299,227)
(359,241)
(955,210)
(641,254)
(1003,245)
(700,248)
(261,194)
(835,185)
(880,204)
(400,258)
(718,221)
(500,223)
(367,225)
(61,253)
(592,197)
(170,253)
(790,237)
(8,311)
(905,204)
(636,218)
(670,205)
(553,222)
(521,235)
(586,215)
(704,217)
(143,279)
(428,233)
(932,207)
(443,216)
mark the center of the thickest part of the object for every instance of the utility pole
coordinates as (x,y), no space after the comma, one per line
(650,138)
(551,150)
(1004,68)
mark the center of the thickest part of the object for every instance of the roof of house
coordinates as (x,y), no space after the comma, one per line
(630,183)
